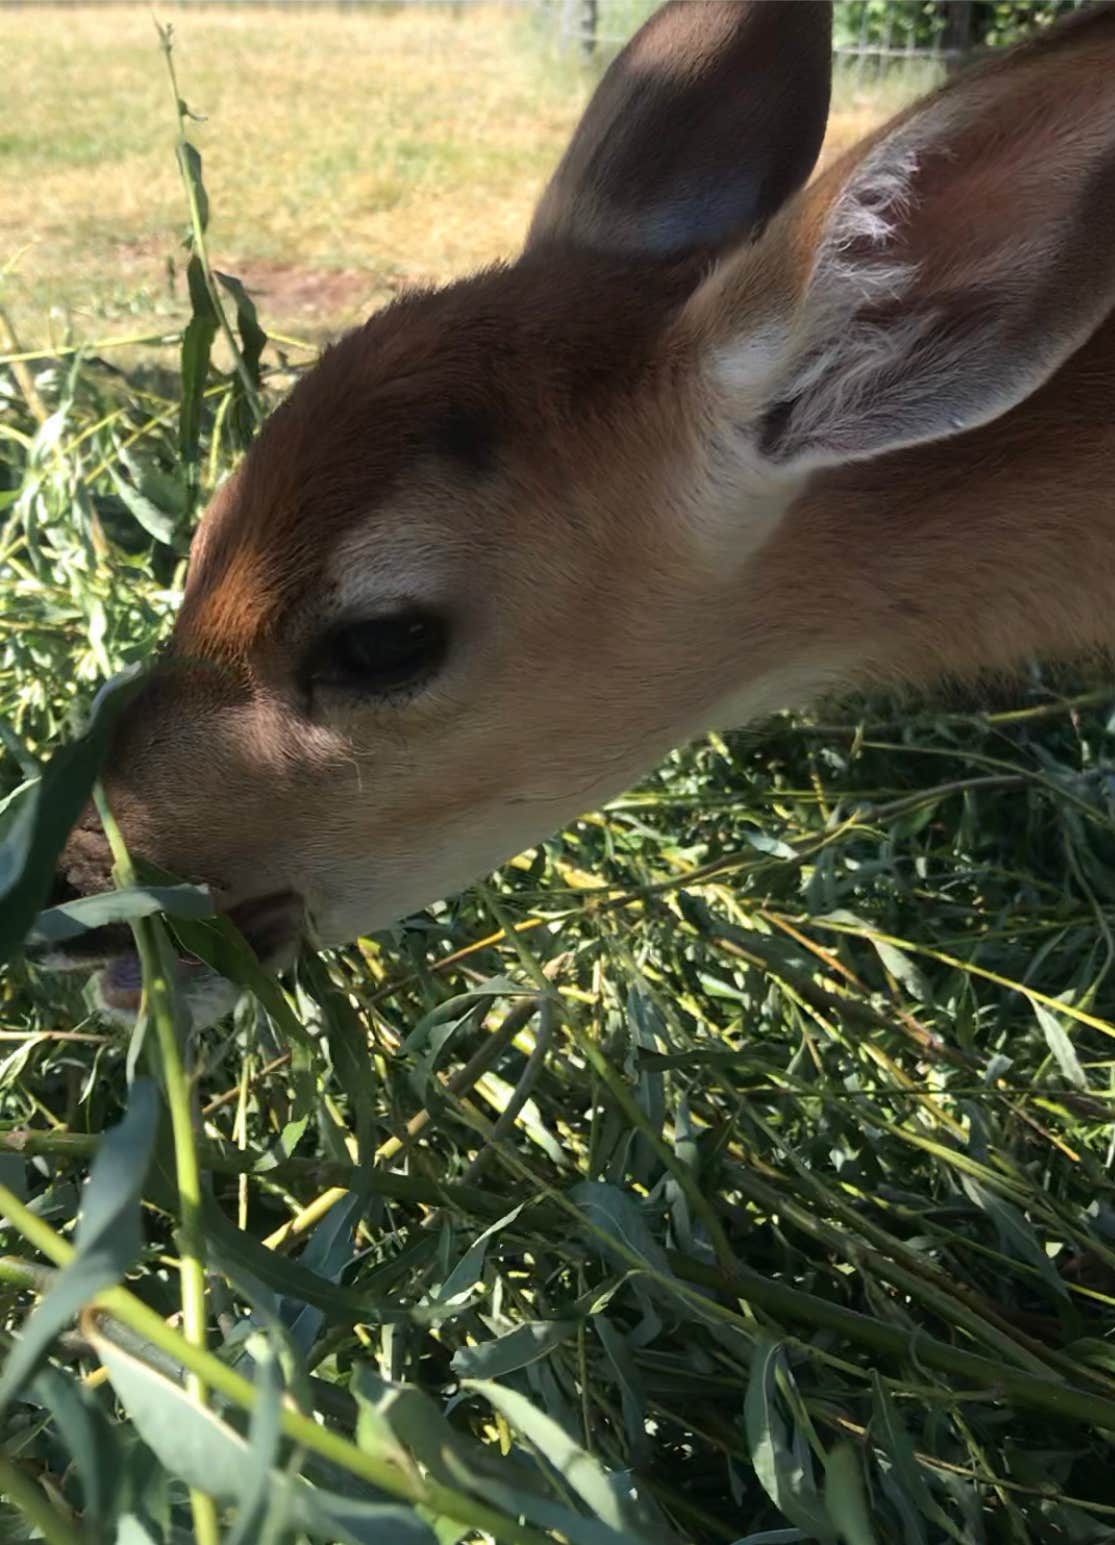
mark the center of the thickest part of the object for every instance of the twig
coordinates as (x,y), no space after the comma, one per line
(157,964)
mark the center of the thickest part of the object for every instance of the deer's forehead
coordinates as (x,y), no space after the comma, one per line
(448,387)
(324,470)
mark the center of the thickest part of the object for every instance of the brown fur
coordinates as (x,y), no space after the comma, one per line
(532,357)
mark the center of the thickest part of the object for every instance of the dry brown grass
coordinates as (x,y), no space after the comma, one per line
(345,154)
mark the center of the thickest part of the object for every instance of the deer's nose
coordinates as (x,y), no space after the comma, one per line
(85,866)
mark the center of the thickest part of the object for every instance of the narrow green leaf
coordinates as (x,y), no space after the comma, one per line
(632,1396)
(46,816)
(784,1471)
(189,161)
(902,968)
(74,918)
(289,1277)
(1060,1045)
(108,1237)
(614,1218)
(525,1344)
(92,1443)
(156,522)
(577,1468)
(348,1049)
(845,1498)
(470,1268)
(890,1434)
(256,1497)
(197,347)
(204,1452)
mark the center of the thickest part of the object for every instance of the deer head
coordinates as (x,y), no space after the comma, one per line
(511,540)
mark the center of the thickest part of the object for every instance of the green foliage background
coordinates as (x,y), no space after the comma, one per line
(897,23)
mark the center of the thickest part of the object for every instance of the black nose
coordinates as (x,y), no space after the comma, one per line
(85,865)
(61,890)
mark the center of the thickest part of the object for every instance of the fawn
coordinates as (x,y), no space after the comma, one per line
(721,439)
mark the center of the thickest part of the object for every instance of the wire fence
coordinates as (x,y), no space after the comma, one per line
(871,35)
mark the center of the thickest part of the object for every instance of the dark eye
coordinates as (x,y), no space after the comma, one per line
(382,654)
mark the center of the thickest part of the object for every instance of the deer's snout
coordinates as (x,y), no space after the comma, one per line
(85,866)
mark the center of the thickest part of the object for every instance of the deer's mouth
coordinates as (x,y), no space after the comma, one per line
(272,925)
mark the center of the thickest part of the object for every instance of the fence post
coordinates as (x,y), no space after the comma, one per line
(590,19)
(956,34)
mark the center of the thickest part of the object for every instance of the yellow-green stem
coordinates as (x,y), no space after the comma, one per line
(197,229)
(158,1002)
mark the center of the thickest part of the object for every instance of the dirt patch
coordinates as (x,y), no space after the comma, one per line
(318,300)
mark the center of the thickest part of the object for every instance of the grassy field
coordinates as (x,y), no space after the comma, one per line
(736,1167)
(345,155)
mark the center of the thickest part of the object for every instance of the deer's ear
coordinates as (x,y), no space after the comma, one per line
(710,118)
(940,276)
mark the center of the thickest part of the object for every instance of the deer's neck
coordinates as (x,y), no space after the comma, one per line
(973,554)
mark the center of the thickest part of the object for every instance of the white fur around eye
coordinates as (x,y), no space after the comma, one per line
(388,562)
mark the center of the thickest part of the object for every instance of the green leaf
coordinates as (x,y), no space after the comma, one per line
(889,1433)
(108,1237)
(189,162)
(197,347)
(433,1032)
(578,1469)
(525,1344)
(291,1278)
(74,918)
(327,1254)
(783,1467)
(45,818)
(397,1420)
(91,1442)
(1060,1045)
(845,1498)
(632,1397)
(255,1499)
(1015,1234)
(253,339)
(617,1227)
(245,413)
(901,967)
(348,1049)
(470,1268)
(156,522)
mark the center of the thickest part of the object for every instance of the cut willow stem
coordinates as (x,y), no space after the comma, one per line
(158,1002)
(197,231)
(458,1083)
(1050,1396)
(92,346)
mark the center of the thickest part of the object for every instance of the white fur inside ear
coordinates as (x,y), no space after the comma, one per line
(857,269)
(827,338)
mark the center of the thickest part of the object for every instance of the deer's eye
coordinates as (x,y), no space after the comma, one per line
(382,655)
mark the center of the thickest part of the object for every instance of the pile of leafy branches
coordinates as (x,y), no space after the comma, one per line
(735,1167)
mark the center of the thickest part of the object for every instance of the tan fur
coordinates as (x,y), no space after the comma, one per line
(860,433)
